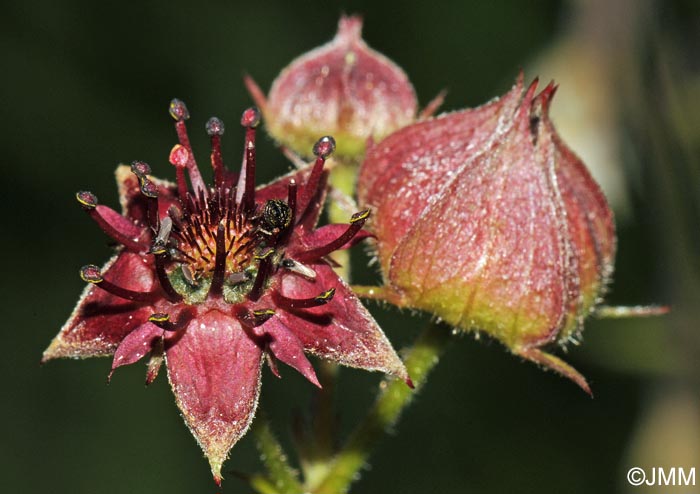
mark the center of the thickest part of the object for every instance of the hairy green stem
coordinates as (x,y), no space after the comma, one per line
(319,448)
(282,476)
(394,396)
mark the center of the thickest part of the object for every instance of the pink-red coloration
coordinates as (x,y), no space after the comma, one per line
(214,280)
(485,218)
(344,88)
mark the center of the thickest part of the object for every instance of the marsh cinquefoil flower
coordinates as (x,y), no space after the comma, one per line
(213,280)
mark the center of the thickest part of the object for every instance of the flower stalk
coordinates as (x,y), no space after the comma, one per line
(281,476)
(392,399)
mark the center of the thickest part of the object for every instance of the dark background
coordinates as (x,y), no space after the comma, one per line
(85,86)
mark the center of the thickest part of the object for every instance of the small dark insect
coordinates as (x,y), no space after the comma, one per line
(276,216)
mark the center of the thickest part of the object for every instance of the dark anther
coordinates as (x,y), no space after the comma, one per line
(163,321)
(159,317)
(324,147)
(261,316)
(304,303)
(87,200)
(178,110)
(140,169)
(214,126)
(356,222)
(148,188)
(158,248)
(360,216)
(92,274)
(110,221)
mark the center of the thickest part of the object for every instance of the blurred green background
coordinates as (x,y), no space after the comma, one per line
(86,85)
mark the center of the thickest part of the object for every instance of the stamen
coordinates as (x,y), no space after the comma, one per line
(178,110)
(356,222)
(179,156)
(292,204)
(323,148)
(262,315)
(170,292)
(217,282)
(162,320)
(215,129)
(254,318)
(148,189)
(92,274)
(292,199)
(303,303)
(263,271)
(140,168)
(111,222)
(246,182)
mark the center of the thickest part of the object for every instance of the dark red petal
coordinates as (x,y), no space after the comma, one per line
(214,370)
(327,233)
(135,345)
(120,223)
(287,347)
(100,321)
(342,330)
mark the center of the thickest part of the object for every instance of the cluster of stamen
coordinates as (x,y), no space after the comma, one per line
(217,242)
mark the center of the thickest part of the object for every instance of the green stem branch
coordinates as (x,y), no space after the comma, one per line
(394,396)
(281,474)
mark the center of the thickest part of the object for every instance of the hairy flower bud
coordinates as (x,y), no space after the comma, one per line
(343,88)
(485,218)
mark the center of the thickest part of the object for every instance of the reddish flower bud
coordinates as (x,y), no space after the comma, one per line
(485,218)
(343,88)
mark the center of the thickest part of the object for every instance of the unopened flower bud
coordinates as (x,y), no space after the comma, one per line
(343,88)
(486,219)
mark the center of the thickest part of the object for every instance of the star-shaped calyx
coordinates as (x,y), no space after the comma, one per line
(215,280)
